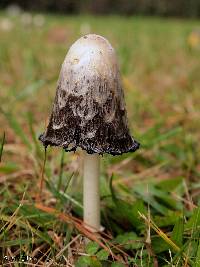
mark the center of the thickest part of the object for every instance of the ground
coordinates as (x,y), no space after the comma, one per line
(150,198)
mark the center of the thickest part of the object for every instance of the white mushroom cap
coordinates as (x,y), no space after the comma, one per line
(92,69)
(89,110)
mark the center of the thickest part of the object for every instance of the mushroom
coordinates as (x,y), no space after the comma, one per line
(89,112)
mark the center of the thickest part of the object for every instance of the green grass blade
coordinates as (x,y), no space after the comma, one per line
(17,242)
(17,128)
(2,145)
(61,169)
(36,143)
(197,261)
(160,137)
(177,233)
(114,197)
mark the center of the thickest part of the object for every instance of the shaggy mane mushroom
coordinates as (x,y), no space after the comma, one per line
(89,112)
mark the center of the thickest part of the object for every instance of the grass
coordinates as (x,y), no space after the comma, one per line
(149,199)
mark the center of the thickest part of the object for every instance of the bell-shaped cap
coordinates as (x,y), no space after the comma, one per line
(89,110)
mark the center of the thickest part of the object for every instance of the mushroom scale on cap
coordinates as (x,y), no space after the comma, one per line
(89,109)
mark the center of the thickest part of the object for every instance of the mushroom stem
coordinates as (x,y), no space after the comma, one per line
(91,192)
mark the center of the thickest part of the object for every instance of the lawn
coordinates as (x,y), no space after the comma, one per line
(150,198)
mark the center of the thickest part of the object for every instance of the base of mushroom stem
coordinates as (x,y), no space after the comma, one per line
(93,230)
